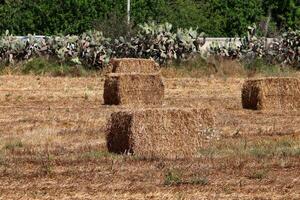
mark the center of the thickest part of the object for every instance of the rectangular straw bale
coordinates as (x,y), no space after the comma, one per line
(133,89)
(159,133)
(134,65)
(271,93)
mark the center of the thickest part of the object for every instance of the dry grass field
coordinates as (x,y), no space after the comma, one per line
(52,145)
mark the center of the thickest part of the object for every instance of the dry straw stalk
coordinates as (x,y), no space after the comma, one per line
(271,93)
(134,65)
(159,133)
(133,89)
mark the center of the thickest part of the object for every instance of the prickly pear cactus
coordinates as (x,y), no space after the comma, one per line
(160,42)
(284,50)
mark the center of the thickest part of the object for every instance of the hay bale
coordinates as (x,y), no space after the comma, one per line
(134,65)
(133,89)
(271,93)
(159,133)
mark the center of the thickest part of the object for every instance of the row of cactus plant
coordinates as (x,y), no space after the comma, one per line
(284,50)
(162,44)
(91,48)
(157,41)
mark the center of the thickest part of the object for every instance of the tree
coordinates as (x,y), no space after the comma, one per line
(214,17)
(52,16)
(286,13)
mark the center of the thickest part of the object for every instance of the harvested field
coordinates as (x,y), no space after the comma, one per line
(53,145)
(271,93)
(134,65)
(133,89)
(160,133)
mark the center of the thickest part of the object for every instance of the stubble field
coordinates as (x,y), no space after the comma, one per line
(52,145)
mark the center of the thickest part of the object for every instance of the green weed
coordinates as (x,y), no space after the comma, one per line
(199,181)
(97,154)
(258,149)
(13,145)
(46,164)
(172,177)
(258,175)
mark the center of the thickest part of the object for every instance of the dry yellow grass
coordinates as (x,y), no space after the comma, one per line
(52,138)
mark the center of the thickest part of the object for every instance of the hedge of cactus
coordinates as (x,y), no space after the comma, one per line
(158,41)
(284,50)
(92,49)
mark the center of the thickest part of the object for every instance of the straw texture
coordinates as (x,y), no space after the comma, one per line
(271,93)
(159,133)
(134,65)
(133,89)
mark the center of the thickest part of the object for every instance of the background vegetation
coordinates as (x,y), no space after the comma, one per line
(214,17)
(86,34)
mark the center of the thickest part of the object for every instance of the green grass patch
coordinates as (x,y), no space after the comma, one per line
(261,174)
(97,155)
(197,66)
(174,177)
(222,67)
(12,145)
(42,66)
(208,152)
(284,147)
(260,66)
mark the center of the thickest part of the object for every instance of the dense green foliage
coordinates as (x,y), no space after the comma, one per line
(286,13)
(214,17)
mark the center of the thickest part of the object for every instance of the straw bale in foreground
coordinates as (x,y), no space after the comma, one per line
(271,93)
(159,133)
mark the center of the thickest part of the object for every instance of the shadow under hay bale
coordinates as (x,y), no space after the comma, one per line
(271,93)
(160,133)
(133,89)
(134,65)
